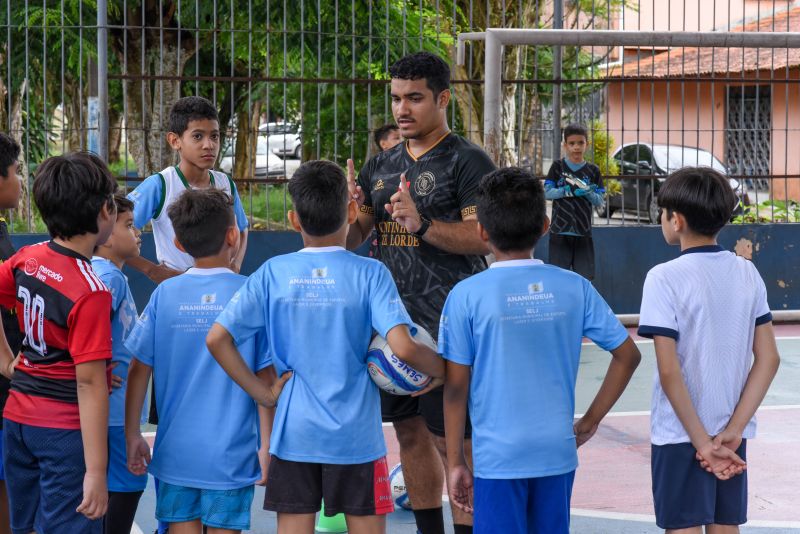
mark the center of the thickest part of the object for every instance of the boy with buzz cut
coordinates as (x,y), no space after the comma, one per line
(512,336)
(124,488)
(56,417)
(194,135)
(708,316)
(317,309)
(205,456)
(10,188)
(575,186)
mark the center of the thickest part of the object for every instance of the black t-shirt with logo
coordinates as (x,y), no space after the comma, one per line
(572,215)
(10,324)
(443,182)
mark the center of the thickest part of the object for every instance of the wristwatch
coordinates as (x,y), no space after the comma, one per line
(425,223)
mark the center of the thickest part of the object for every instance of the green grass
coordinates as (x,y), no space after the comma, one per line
(266,205)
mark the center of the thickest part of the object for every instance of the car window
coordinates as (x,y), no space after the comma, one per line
(671,158)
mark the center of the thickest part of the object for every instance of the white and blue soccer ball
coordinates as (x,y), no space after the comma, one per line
(398,484)
(392,374)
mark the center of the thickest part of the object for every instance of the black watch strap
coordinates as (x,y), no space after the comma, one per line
(425,224)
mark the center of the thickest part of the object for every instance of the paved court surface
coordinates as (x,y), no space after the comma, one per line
(612,486)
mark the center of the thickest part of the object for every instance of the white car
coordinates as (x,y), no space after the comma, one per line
(267,163)
(285,138)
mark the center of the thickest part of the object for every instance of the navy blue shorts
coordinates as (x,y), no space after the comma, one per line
(44,480)
(685,495)
(524,505)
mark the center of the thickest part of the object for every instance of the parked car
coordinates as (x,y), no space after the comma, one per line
(285,138)
(267,163)
(639,195)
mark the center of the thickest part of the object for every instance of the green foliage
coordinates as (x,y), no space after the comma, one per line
(601,149)
(770,211)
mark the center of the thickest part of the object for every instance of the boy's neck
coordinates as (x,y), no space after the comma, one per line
(579,162)
(338,239)
(221,260)
(695,240)
(508,255)
(108,253)
(195,176)
(420,145)
(83,244)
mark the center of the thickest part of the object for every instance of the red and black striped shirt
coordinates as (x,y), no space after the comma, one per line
(64,311)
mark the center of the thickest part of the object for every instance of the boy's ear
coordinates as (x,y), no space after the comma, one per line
(174,140)
(482,233)
(294,220)
(178,245)
(352,211)
(546,225)
(232,236)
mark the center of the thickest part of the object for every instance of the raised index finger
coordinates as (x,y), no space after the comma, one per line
(351,170)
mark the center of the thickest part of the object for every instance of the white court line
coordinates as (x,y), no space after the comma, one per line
(136,530)
(647,412)
(650,341)
(644,518)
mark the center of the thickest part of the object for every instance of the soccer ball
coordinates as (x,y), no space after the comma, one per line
(392,374)
(398,484)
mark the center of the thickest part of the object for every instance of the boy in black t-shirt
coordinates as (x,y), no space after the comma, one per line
(575,186)
(9,199)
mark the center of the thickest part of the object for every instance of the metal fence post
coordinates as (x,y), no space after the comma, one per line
(102,78)
(558,23)
(492,126)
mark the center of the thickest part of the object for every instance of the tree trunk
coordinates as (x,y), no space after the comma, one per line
(23,209)
(246,141)
(468,106)
(114,134)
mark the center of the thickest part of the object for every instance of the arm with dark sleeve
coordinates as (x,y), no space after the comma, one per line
(597,193)
(462,237)
(361,229)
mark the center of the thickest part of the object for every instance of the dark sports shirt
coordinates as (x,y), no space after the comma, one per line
(572,215)
(10,325)
(65,312)
(443,182)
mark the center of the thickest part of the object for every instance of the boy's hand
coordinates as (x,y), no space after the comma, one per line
(95,496)
(160,272)
(433,384)
(722,462)
(355,191)
(138,455)
(460,487)
(584,431)
(276,389)
(581,192)
(116,380)
(263,462)
(727,438)
(8,372)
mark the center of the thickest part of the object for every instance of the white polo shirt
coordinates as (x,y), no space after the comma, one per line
(710,301)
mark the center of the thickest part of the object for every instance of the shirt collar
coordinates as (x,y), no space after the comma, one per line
(703,248)
(55,247)
(323,249)
(516,263)
(208,272)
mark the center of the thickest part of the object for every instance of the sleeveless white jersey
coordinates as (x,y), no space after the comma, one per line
(163,233)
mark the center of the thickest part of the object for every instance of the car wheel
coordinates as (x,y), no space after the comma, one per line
(298,152)
(604,211)
(652,210)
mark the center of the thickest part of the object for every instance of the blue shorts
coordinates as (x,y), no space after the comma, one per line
(229,509)
(119,478)
(524,505)
(44,480)
(685,495)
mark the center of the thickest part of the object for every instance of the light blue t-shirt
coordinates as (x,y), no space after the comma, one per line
(123,317)
(207,433)
(317,308)
(520,326)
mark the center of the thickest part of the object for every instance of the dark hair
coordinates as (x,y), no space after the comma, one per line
(382,133)
(702,195)
(575,129)
(511,207)
(9,153)
(319,194)
(70,191)
(200,218)
(190,108)
(431,67)
(123,204)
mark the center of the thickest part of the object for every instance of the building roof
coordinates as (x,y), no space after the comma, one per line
(694,61)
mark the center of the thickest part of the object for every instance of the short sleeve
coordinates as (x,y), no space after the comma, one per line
(141,341)
(470,172)
(241,217)
(762,313)
(456,342)
(89,328)
(115,282)
(552,175)
(599,322)
(657,314)
(363,180)
(244,315)
(8,286)
(147,200)
(386,308)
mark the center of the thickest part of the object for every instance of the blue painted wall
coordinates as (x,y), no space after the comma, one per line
(623,257)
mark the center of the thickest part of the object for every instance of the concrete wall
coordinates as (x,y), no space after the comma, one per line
(624,255)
